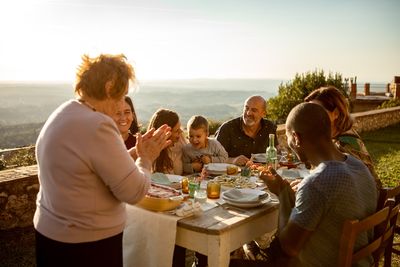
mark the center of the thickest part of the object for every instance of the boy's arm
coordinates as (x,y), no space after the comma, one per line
(219,154)
(187,164)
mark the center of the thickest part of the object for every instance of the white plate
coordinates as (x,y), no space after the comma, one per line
(218,168)
(248,205)
(248,192)
(260,158)
(292,174)
(174,178)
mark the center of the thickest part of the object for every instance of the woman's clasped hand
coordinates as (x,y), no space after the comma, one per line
(149,145)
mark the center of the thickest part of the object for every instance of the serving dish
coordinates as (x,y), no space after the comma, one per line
(161,198)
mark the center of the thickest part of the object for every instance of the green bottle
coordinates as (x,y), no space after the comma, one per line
(272,153)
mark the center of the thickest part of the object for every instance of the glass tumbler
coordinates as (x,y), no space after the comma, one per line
(213,190)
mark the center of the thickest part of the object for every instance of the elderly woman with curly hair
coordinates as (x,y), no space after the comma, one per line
(86,173)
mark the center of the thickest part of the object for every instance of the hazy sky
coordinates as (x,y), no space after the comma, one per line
(43,40)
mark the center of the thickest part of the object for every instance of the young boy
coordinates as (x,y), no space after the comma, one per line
(201,149)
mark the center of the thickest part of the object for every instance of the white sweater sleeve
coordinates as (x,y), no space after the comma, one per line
(127,181)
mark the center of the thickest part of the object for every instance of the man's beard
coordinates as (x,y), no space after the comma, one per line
(248,121)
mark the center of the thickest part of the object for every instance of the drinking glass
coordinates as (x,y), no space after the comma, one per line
(193,185)
(213,190)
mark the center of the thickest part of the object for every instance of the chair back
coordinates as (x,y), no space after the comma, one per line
(351,230)
(388,235)
(388,193)
(384,195)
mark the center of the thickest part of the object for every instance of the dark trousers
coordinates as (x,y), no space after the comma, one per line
(105,252)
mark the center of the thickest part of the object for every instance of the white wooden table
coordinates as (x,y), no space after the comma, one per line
(220,231)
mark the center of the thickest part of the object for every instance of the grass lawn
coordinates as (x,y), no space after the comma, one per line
(384,147)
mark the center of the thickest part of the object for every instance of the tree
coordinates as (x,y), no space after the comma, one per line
(293,92)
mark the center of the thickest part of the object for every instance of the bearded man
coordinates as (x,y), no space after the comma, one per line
(247,134)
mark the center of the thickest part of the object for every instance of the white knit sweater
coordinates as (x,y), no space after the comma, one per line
(85,175)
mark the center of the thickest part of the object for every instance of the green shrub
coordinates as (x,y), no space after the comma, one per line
(390,104)
(213,125)
(22,157)
(293,92)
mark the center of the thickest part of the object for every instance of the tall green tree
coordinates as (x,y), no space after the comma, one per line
(293,92)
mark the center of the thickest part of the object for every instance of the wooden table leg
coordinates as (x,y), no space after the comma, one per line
(218,250)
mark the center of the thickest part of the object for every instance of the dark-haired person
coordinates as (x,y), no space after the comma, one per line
(247,134)
(170,158)
(127,123)
(344,136)
(85,171)
(339,188)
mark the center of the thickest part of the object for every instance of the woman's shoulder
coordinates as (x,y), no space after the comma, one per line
(349,137)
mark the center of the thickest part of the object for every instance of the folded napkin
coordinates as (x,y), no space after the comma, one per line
(160,178)
(149,238)
(239,196)
(189,209)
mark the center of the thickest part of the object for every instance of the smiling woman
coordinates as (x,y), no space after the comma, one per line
(127,123)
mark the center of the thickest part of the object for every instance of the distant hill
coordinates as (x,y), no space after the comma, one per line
(25,106)
(12,136)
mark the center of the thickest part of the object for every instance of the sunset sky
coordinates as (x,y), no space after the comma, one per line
(43,40)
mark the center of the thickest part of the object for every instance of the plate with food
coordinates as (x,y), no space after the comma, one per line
(221,168)
(289,164)
(236,181)
(161,198)
(292,174)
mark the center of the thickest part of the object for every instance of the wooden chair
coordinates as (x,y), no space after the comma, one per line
(387,240)
(393,194)
(388,193)
(352,228)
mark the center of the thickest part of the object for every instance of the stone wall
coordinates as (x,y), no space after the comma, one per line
(18,190)
(19,186)
(376,119)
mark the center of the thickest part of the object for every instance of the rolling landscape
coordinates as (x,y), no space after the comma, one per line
(24,107)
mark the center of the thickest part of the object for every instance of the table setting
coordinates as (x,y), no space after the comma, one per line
(151,227)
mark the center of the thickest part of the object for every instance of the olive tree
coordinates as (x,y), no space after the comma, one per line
(294,91)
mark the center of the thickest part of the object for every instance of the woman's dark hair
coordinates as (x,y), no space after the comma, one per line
(135,125)
(163,116)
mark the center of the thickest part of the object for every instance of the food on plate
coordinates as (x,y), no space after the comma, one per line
(235,181)
(159,191)
(232,169)
(289,165)
(257,167)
